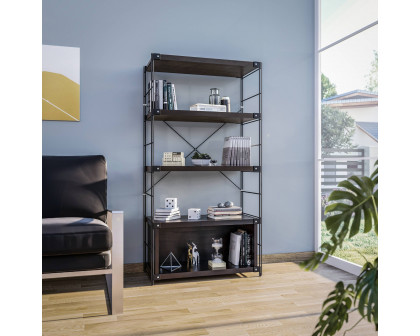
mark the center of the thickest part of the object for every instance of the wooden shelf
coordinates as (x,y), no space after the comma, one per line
(184,222)
(200,116)
(256,169)
(201,66)
(202,270)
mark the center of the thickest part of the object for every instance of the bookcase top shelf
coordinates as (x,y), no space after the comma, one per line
(150,169)
(201,66)
(203,221)
(201,116)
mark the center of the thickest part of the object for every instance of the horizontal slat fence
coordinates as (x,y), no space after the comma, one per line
(339,164)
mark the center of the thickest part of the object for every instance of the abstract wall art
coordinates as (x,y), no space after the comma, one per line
(60,83)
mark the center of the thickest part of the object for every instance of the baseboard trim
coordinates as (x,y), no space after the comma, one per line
(266,259)
(286,257)
(133,268)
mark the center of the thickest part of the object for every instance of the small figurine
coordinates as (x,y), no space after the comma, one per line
(190,256)
(195,255)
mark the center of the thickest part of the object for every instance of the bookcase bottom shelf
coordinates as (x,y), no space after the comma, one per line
(202,270)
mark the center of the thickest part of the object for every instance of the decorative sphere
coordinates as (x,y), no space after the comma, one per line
(220,205)
(228,204)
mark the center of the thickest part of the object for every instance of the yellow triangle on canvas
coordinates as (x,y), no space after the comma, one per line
(60,97)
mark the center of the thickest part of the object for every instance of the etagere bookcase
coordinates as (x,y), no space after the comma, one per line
(161,237)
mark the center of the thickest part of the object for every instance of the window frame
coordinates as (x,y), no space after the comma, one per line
(332,260)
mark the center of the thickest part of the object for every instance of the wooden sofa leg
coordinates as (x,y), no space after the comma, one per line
(115,281)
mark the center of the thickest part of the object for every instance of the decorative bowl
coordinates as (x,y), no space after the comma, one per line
(201,162)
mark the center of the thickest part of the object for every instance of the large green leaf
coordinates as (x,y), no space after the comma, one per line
(335,310)
(356,201)
(367,292)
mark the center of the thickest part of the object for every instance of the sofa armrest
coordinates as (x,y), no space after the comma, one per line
(115,221)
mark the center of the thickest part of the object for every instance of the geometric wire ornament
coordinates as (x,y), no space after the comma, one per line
(171,263)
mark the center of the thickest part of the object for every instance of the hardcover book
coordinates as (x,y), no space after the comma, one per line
(234,248)
(236,151)
(165,95)
(208,107)
(169,93)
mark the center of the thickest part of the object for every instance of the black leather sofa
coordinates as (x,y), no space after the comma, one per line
(80,237)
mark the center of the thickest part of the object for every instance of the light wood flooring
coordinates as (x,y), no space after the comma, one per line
(284,301)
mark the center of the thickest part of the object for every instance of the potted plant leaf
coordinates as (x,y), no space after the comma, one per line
(201,159)
(349,210)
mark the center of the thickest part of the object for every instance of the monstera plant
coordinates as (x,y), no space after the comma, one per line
(353,205)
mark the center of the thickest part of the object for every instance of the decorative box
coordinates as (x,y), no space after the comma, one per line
(171,203)
(194,213)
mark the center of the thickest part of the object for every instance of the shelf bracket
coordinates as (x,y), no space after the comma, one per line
(155,56)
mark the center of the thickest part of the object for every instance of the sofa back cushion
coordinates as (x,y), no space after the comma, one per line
(74,186)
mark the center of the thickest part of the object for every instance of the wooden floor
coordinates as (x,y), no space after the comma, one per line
(284,301)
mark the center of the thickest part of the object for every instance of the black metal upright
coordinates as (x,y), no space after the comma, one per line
(151,114)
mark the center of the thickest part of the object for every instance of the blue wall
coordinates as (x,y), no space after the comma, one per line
(115,40)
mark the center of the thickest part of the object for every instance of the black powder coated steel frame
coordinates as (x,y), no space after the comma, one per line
(150,237)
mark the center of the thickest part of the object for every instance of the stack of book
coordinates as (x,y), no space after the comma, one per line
(208,107)
(162,95)
(240,248)
(234,212)
(237,151)
(167,214)
(173,159)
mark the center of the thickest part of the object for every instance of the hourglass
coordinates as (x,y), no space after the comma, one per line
(217,261)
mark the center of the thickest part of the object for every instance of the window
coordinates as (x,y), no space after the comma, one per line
(347,94)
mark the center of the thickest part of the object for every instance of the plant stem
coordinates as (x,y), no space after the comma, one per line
(353,326)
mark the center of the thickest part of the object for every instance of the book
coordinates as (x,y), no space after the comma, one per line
(217,209)
(163,215)
(226,151)
(174,163)
(224,213)
(169,93)
(160,94)
(234,248)
(208,107)
(167,210)
(151,94)
(226,217)
(216,266)
(175,105)
(156,88)
(236,151)
(167,218)
(248,247)
(167,214)
(165,95)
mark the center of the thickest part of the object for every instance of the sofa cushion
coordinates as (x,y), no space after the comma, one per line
(74,235)
(74,186)
(76,262)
